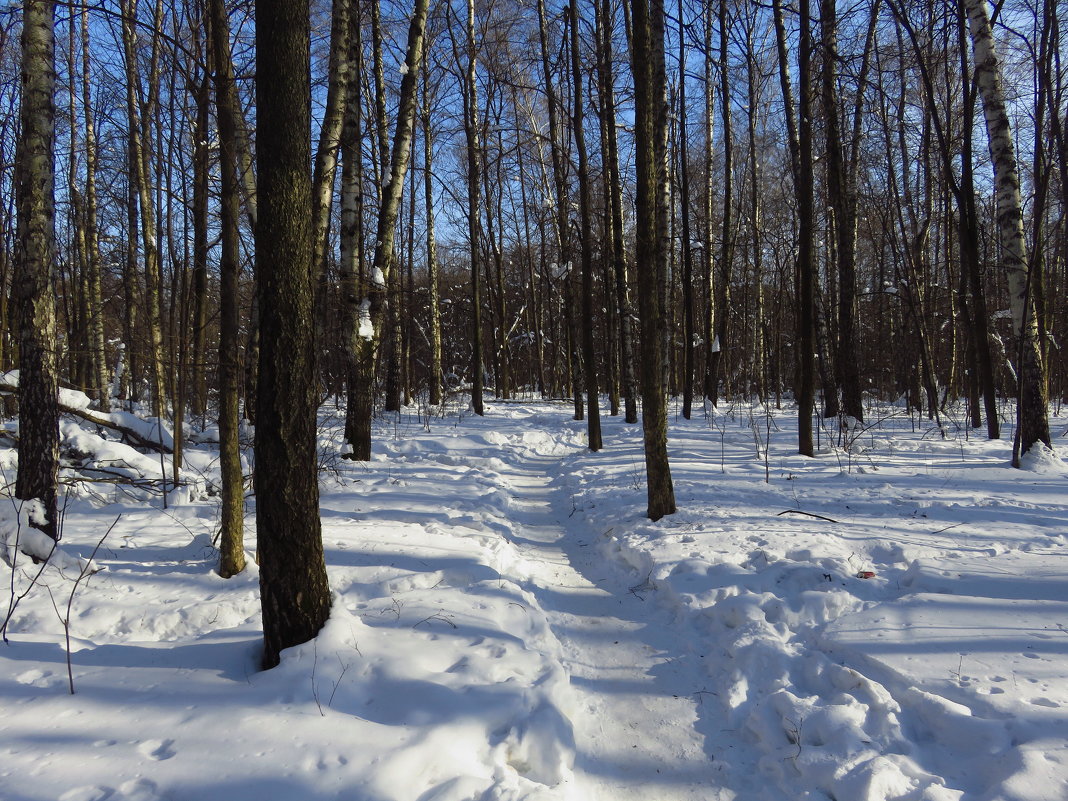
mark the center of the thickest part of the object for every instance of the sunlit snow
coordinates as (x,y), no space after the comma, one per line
(883,623)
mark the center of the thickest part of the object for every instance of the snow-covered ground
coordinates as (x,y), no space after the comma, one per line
(883,623)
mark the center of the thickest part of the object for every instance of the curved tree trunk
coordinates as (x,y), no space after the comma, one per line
(1031,402)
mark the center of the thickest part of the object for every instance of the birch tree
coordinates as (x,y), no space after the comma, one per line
(1032,406)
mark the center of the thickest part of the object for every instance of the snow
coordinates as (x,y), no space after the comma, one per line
(366,328)
(507,626)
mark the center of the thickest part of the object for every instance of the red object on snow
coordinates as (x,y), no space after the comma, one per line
(866,574)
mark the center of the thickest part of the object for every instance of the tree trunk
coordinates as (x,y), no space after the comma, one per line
(431,249)
(688,312)
(474,226)
(806,296)
(650,117)
(726,249)
(391,196)
(1032,407)
(201,174)
(100,385)
(32,288)
(589,356)
(294,591)
(326,154)
(357,338)
(140,178)
(841,197)
(628,377)
(231,546)
(710,381)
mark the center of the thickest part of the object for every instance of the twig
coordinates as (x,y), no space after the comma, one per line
(337,683)
(315,663)
(439,616)
(14,599)
(85,571)
(947,528)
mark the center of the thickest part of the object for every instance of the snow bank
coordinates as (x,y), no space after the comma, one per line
(885,634)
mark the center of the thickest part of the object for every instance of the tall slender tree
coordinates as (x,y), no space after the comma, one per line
(32,288)
(650,117)
(435,375)
(294,592)
(474,224)
(1032,404)
(589,354)
(231,548)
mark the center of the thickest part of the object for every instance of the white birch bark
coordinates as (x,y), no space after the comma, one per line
(1032,404)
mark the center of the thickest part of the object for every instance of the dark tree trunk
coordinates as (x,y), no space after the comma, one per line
(589,355)
(474,226)
(294,592)
(688,313)
(628,378)
(32,287)
(650,117)
(232,523)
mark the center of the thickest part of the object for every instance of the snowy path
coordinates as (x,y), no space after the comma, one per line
(636,691)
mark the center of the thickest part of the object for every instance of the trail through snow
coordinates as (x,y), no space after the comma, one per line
(635,691)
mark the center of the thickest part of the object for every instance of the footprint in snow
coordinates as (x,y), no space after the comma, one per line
(36,678)
(1043,701)
(137,790)
(157,749)
(88,793)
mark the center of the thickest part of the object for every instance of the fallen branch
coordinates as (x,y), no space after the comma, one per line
(104,419)
(807,514)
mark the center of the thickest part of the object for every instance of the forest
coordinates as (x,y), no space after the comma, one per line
(509,327)
(825,180)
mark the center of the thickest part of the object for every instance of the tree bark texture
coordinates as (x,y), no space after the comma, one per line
(474,227)
(35,247)
(294,593)
(1032,404)
(140,176)
(647,60)
(231,546)
(589,353)
(806,296)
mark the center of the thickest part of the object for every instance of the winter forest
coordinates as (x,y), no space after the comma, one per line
(533,400)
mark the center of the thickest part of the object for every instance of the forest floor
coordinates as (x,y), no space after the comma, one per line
(885,622)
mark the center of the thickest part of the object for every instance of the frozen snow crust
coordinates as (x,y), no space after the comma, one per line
(507,626)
